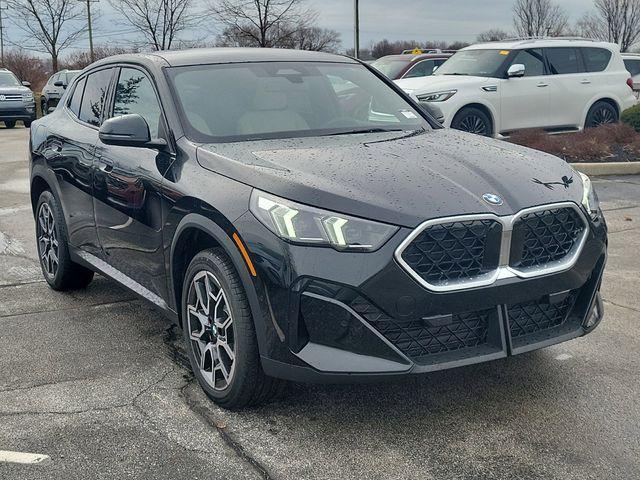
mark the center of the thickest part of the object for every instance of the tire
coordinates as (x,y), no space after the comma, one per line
(236,382)
(9,123)
(45,108)
(473,120)
(52,243)
(601,113)
(27,123)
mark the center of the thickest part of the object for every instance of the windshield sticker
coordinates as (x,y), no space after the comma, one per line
(504,52)
(408,114)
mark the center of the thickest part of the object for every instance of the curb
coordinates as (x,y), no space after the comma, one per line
(608,168)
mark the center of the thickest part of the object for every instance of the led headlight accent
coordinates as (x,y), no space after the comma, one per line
(437,96)
(27,97)
(589,198)
(302,224)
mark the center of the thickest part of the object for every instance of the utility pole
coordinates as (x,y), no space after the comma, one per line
(356,29)
(1,35)
(88,2)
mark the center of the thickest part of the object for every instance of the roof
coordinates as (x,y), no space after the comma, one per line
(541,43)
(197,56)
(409,57)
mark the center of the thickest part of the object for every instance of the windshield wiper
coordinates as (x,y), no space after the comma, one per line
(461,74)
(364,130)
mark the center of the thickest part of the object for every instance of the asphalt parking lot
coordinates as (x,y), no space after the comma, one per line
(96,380)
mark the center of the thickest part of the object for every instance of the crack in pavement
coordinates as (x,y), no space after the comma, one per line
(621,306)
(70,309)
(130,403)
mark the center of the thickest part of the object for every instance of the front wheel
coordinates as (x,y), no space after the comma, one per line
(60,272)
(219,334)
(473,120)
(9,123)
(601,113)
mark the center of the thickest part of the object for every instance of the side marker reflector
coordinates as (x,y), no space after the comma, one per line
(245,254)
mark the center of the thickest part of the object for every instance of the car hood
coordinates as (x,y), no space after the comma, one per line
(402,179)
(435,83)
(10,90)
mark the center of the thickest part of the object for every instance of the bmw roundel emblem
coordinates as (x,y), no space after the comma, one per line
(492,198)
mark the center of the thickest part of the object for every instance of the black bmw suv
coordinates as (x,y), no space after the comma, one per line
(303,219)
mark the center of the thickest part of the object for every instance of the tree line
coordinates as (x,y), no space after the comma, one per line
(53,26)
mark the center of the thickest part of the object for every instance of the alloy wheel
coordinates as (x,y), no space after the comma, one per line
(211,330)
(48,246)
(474,124)
(603,116)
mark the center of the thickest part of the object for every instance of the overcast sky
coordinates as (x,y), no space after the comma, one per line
(446,20)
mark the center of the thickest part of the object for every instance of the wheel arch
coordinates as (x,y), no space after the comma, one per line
(194,233)
(482,107)
(606,99)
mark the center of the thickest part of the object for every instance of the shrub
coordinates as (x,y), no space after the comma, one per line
(631,116)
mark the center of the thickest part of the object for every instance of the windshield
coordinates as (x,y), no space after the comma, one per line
(247,101)
(8,79)
(390,67)
(477,63)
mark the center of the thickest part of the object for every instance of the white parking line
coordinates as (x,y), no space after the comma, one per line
(22,457)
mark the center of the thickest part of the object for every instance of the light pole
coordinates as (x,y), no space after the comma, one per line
(1,36)
(356,29)
(88,2)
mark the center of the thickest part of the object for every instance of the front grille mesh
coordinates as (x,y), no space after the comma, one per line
(416,338)
(546,236)
(536,316)
(455,251)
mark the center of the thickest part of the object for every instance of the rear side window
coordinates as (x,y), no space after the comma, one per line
(76,99)
(563,60)
(596,59)
(632,66)
(421,69)
(135,94)
(95,95)
(532,60)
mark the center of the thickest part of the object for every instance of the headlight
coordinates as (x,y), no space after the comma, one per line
(27,97)
(589,198)
(302,224)
(437,96)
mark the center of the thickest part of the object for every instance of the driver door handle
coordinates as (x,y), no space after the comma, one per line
(585,82)
(542,84)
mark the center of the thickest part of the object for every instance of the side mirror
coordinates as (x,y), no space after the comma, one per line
(26,84)
(433,110)
(128,131)
(59,83)
(516,70)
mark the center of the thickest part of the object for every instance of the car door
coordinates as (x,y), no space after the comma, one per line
(570,87)
(524,101)
(127,188)
(69,151)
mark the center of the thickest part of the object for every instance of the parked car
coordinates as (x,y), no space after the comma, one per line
(632,64)
(411,65)
(296,233)
(16,100)
(55,87)
(554,84)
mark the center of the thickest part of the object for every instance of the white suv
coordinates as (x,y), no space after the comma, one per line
(556,84)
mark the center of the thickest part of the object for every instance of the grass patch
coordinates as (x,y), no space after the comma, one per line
(607,143)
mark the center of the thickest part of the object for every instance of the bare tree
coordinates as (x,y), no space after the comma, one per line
(48,26)
(316,38)
(616,21)
(79,59)
(27,67)
(261,23)
(160,22)
(493,35)
(539,18)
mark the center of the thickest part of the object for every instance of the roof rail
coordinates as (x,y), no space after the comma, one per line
(420,51)
(524,39)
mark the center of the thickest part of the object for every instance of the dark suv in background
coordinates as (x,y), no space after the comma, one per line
(16,100)
(55,87)
(308,221)
(412,65)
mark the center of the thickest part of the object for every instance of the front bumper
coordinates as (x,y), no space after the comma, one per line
(331,316)
(17,111)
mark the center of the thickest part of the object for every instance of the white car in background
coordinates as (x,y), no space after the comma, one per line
(632,64)
(559,84)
